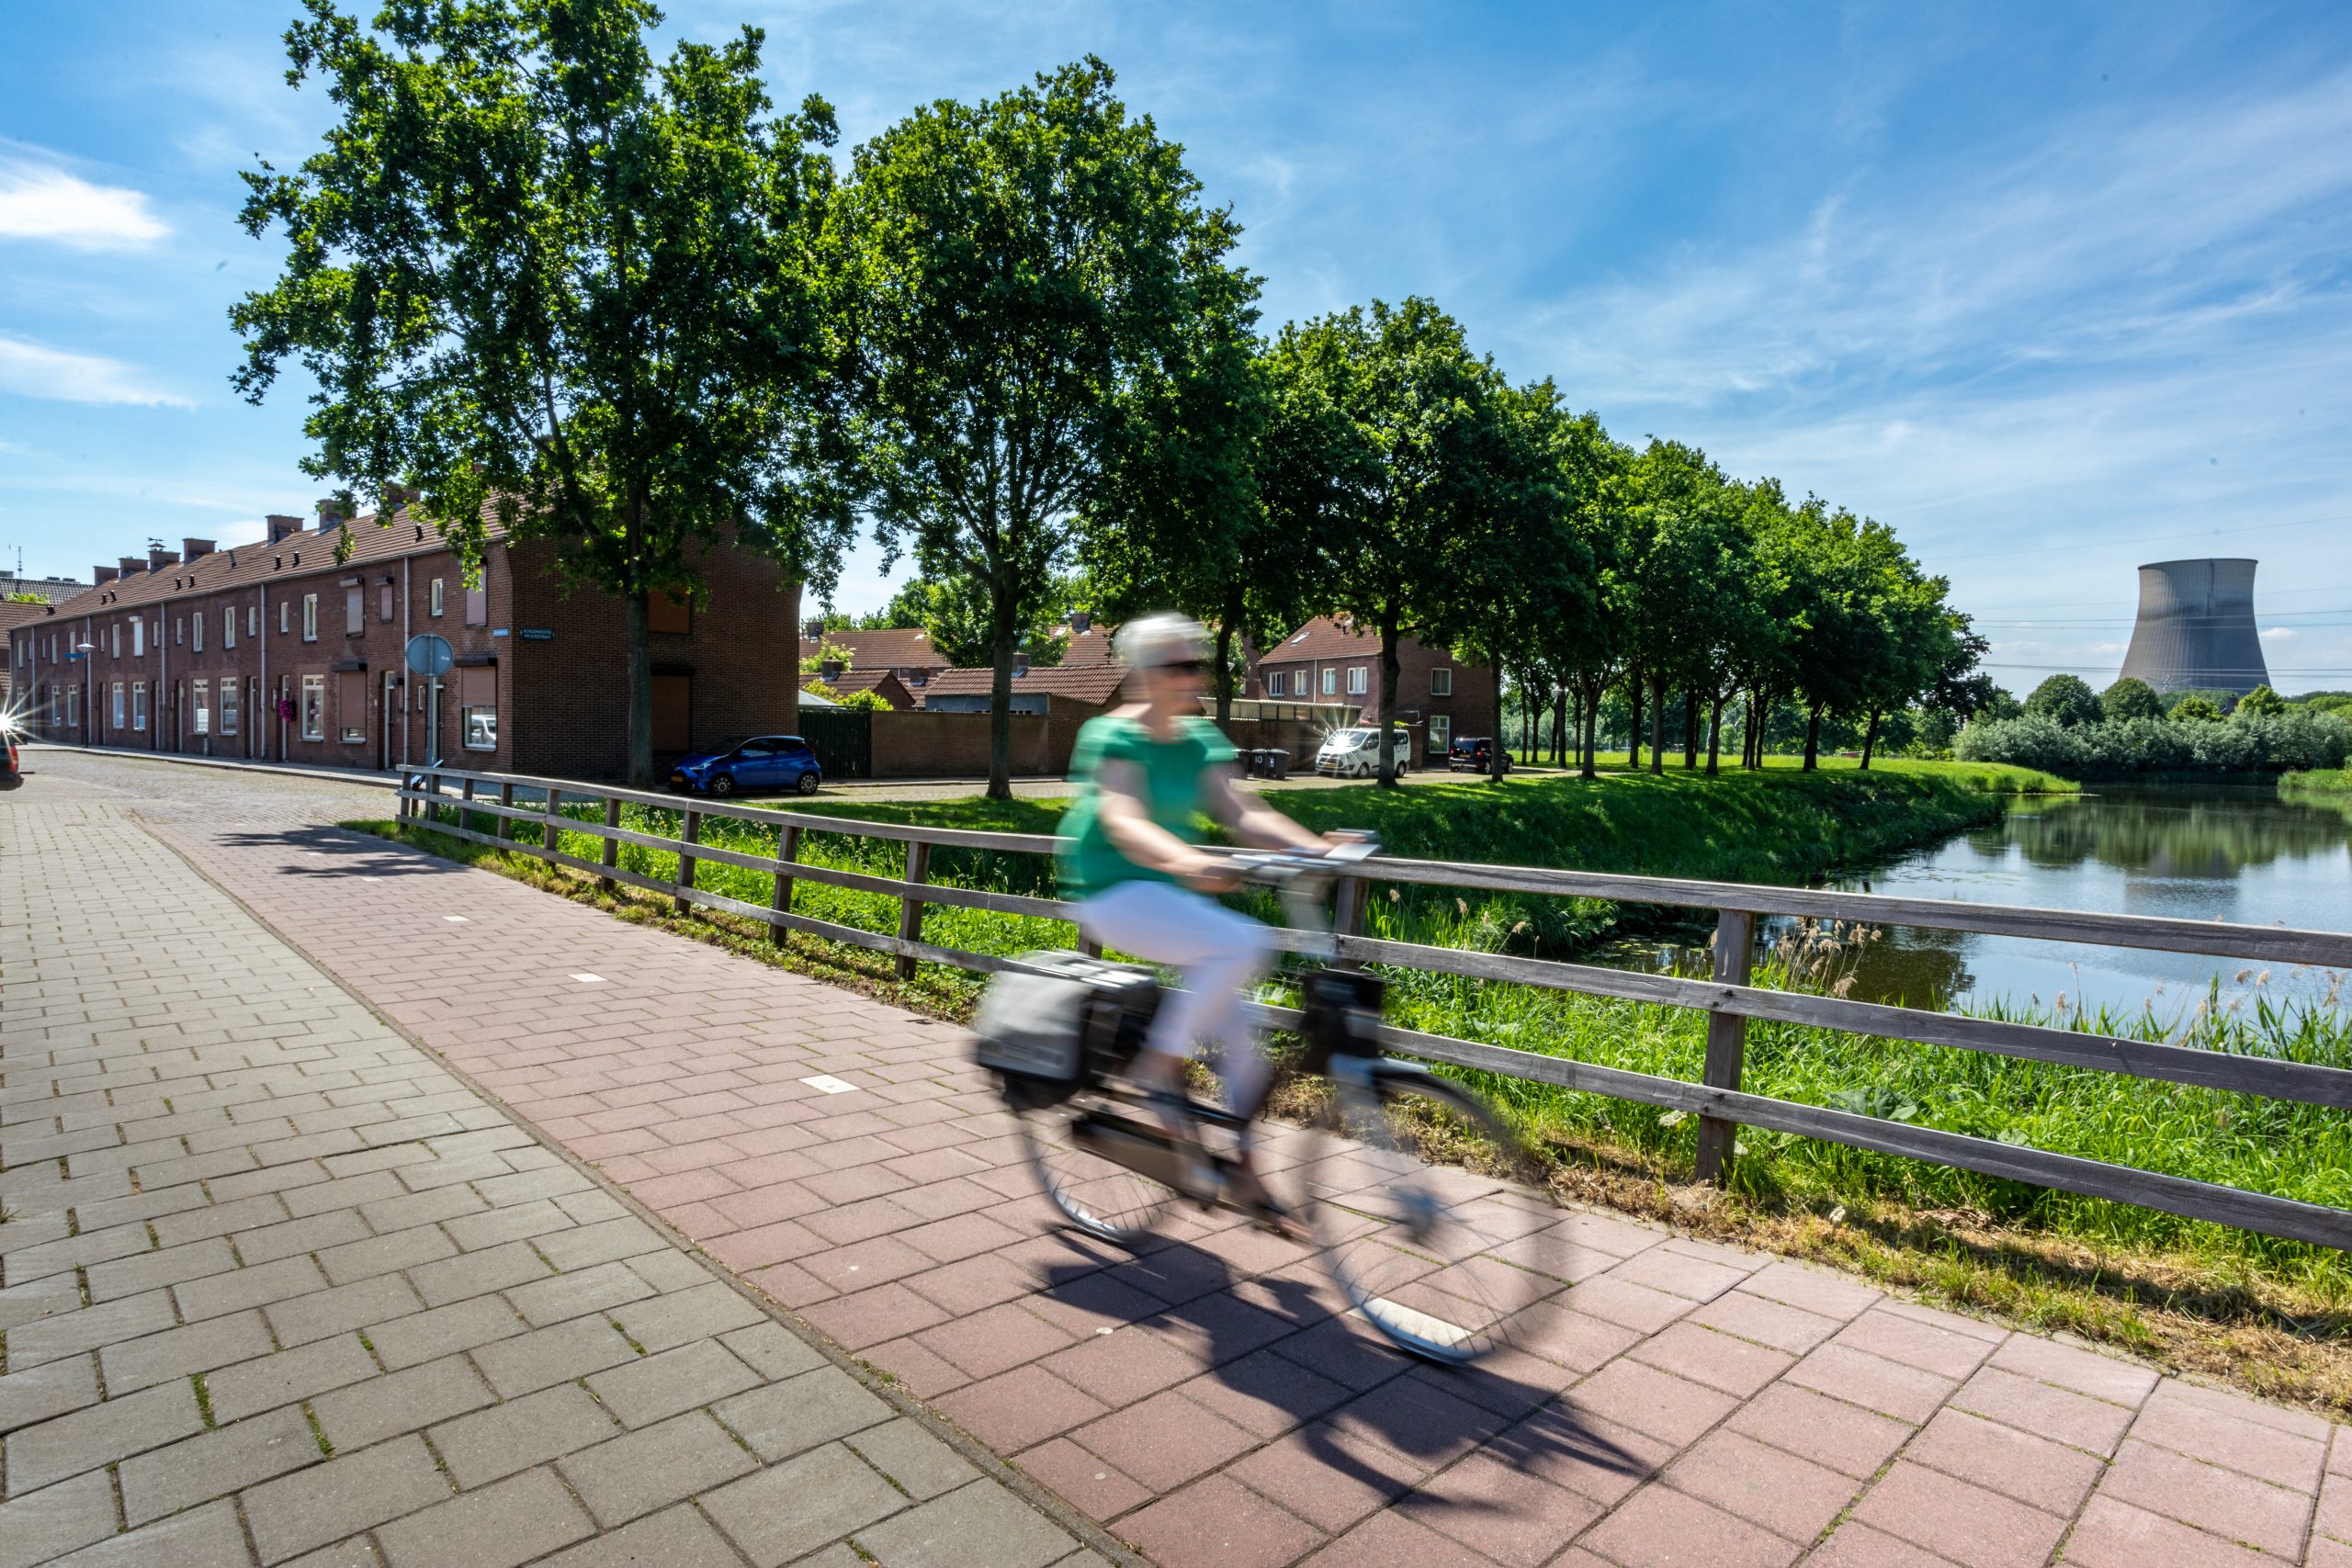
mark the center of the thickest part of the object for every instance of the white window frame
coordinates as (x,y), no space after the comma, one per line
(253,620)
(1442,682)
(73,705)
(282,614)
(179,631)
(1441,734)
(312,712)
(436,599)
(139,638)
(229,628)
(1358,679)
(139,705)
(230,688)
(1330,680)
(200,715)
(196,632)
(119,709)
(310,618)
(1277,683)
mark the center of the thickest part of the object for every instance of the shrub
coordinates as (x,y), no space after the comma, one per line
(2196,708)
(2297,738)
(2065,699)
(2132,698)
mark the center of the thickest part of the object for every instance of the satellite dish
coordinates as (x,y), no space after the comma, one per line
(429,654)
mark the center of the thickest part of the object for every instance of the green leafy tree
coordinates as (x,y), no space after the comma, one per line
(2195,707)
(2130,697)
(2066,699)
(1411,423)
(1016,275)
(2260,703)
(551,283)
(958,616)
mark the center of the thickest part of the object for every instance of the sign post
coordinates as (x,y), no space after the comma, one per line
(429,655)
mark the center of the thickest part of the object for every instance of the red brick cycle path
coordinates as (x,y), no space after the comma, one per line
(1698,1404)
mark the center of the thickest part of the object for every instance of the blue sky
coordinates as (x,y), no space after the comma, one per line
(2054,291)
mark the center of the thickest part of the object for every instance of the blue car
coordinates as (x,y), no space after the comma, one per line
(748,763)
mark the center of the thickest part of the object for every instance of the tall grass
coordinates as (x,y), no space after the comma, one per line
(2323,781)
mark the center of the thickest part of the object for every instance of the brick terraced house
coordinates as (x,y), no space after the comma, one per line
(278,650)
(1330,659)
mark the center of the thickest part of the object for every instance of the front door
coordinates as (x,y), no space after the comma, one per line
(672,713)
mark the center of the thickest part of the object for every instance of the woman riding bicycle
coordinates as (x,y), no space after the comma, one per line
(1148,772)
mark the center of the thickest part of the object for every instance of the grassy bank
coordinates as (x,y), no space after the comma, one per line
(2267,1314)
(2326,784)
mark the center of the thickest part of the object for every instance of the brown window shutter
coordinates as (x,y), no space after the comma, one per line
(479,687)
(355,610)
(351,701)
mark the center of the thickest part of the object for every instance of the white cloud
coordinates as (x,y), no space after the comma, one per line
(44,203)
(33,370)
(2278,634)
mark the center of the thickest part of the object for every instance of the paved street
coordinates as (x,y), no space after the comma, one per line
(269,1187)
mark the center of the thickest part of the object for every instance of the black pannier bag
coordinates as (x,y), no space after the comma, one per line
(1041,1027)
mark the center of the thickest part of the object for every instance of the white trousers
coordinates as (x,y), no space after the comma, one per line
(1220,953)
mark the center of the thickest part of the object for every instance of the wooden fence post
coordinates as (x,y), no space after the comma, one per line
(911,908)
(788,850)
(465,798)
(505,829)
(547,829)
(1347,909)
(1726,1042)
(612,856)
(691,833)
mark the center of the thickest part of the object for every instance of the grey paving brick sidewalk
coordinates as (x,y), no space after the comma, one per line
(275,1287)
(1204,1398)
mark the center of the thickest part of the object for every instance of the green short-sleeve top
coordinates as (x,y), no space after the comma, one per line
(1170,771)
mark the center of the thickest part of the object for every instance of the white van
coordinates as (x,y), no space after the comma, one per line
(1355,753)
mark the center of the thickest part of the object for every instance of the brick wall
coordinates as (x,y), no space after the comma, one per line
(926,745)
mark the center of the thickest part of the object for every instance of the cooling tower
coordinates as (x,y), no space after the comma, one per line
(2195,628)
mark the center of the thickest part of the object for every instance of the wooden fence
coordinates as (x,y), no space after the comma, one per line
(1726,998)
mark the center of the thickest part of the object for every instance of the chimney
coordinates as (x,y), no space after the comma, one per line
(1080,621)
(103,574)
(330,514)
(394,498)
(279,525)
(830,671)
(132,566)
(195,549)
(158,559)
(1021,664)
(813,631)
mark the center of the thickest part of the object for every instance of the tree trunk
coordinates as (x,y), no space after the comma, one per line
(1390,672)
(1869,740)
(1497,754)
(636,651)
(1715,734)
(1224,672)
(1001,704)
(1591,723)
(1559,727)
(1657,723)
(1691,730)
(1811,735)
(1633,728)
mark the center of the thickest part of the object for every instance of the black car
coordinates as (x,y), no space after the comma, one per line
(1473,754)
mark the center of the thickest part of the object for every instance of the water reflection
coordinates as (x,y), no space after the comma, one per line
(2243,855)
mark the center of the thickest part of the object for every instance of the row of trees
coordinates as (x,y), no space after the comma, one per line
(626,306)
(2065,728)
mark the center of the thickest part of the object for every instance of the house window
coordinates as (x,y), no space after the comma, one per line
(281,617)
(351,704)
(229,706)
(202,691)
(139,639)
(668,612)
(73,705)
(384,600)
(1330,682)
(477,708)
(1441,682)
(195,632)
(139,705)
(433,598)
(314,707)
(117,706)
(179,632)
(1356,683)
(1275,684)
(253,620)
(355,609)
(478,598)
(310,617)
(1441,734)
(229,628)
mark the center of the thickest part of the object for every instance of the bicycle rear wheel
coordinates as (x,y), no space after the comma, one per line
(1080,1152)
(1449,1261)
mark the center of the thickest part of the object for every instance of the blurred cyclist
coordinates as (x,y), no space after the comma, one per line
(1147,772)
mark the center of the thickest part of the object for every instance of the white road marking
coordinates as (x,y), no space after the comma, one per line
(825,1083)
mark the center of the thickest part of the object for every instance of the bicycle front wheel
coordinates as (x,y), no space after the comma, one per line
(1433,1216)
(1100,1170)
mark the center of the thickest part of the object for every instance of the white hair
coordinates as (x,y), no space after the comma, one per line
(1149,642)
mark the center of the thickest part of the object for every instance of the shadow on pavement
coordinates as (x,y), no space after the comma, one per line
(340,852)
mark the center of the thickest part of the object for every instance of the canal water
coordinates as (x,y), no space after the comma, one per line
(2200,853)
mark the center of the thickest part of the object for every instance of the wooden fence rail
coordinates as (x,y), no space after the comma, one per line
(1726,996)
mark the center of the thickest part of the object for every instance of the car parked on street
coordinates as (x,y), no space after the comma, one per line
(1355,753)
(1473,754)
(747,762)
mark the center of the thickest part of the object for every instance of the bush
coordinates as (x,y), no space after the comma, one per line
(2296,739)
(2196,708)
(2132,698)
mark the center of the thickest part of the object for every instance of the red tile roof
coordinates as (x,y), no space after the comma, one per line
(1093,683)
(1325,636)
(893,648)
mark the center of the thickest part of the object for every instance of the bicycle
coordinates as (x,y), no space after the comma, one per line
(1448,1263)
